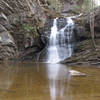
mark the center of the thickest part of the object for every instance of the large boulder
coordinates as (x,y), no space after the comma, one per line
(8,47)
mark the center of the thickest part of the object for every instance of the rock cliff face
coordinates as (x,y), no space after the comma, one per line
(25,21)
(8,48)
(85,52)
(22,18)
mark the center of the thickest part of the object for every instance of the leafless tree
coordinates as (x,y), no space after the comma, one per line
(92,19)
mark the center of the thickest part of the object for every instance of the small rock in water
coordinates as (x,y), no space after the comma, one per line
(76,73)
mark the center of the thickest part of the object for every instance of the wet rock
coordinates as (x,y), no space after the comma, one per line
(97,19)
(8,48)
(80,33)
(61,22)
(76,73)
(46,31)
(30,54)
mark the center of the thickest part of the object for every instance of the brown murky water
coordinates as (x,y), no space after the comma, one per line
(30,81)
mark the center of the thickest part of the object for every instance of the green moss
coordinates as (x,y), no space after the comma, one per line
(35,33)
(30,29)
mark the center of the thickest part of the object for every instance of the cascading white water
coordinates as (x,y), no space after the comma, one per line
(59,49)
(53,55)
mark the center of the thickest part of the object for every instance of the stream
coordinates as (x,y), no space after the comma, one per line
(39,81)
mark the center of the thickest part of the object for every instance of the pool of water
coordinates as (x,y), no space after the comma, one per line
(37,81)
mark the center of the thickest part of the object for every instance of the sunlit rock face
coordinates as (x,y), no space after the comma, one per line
(8,48)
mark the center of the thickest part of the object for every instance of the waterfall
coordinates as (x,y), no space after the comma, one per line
(60,46)
(53,55)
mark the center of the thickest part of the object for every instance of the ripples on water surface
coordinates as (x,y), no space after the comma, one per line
(30,81)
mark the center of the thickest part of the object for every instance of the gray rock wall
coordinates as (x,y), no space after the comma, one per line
(8,47)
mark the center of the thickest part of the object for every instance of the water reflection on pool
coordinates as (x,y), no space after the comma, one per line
(31,81)
(58,75)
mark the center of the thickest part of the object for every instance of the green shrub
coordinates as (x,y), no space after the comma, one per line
(30,29)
